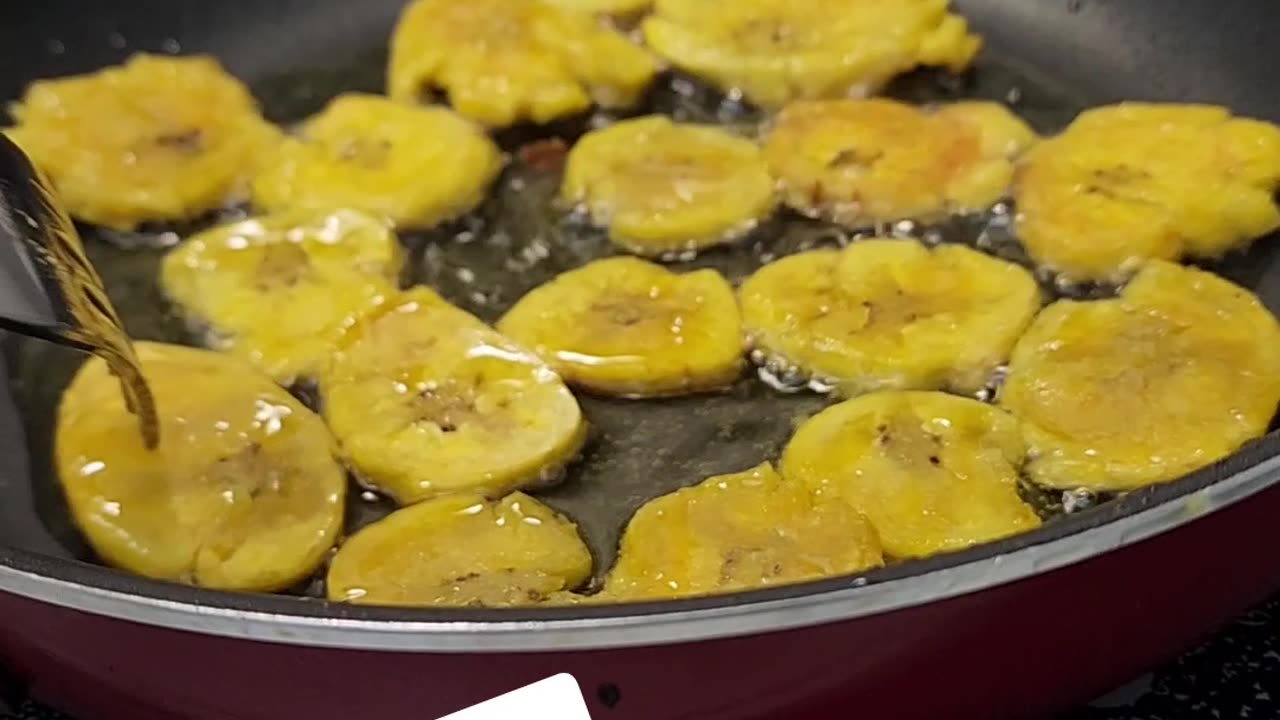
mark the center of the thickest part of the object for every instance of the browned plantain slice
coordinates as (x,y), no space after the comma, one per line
(507,61)
(775,51)
(462,550)
(1132,182)
(663,187)
(624,326)
(613,8)
(158,138)
(244,491)
(866,162)
(736,532)
(279,290)
(427,400)
(1177,372)
(885,314)
(932,472)
(416,166)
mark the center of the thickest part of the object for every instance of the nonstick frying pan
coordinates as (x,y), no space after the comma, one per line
(1017,628)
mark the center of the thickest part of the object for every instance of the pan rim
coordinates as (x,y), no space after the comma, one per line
(99,590)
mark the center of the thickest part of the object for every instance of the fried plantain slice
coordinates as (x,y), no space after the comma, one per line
(1177,372)
(889,314)
(157,138)
(736,532)
(417,166)
(427,400)
(612,8)
(932,472)
(279,290)
(462,550)
(865,162)
(625,326)
(663,187)
(775,51)
(244,491)
(506,61)
(1132,182)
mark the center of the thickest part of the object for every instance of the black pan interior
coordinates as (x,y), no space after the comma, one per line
(1046,58)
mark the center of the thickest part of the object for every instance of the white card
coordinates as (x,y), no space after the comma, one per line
(556,698)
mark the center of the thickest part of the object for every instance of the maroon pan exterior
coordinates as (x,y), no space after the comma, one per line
(1067,630)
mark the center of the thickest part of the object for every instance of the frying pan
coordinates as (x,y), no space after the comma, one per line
(1021,627)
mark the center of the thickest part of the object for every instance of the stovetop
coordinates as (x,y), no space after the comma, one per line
(1236,674)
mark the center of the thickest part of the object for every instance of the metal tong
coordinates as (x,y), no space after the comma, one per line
(43,268)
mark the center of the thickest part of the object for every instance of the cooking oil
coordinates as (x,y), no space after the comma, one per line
(521,237)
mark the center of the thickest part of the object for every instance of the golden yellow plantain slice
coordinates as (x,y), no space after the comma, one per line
(862,162)
(613,8)
(1177,372)
(663,187)
(736,532)
(1132,182)
(507,61)
(932,472)
(625,326)
(280,289)
(775,51)
(417,166)
(889,314)
(244,491)
(462,550)
(158,138)
(427,400)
